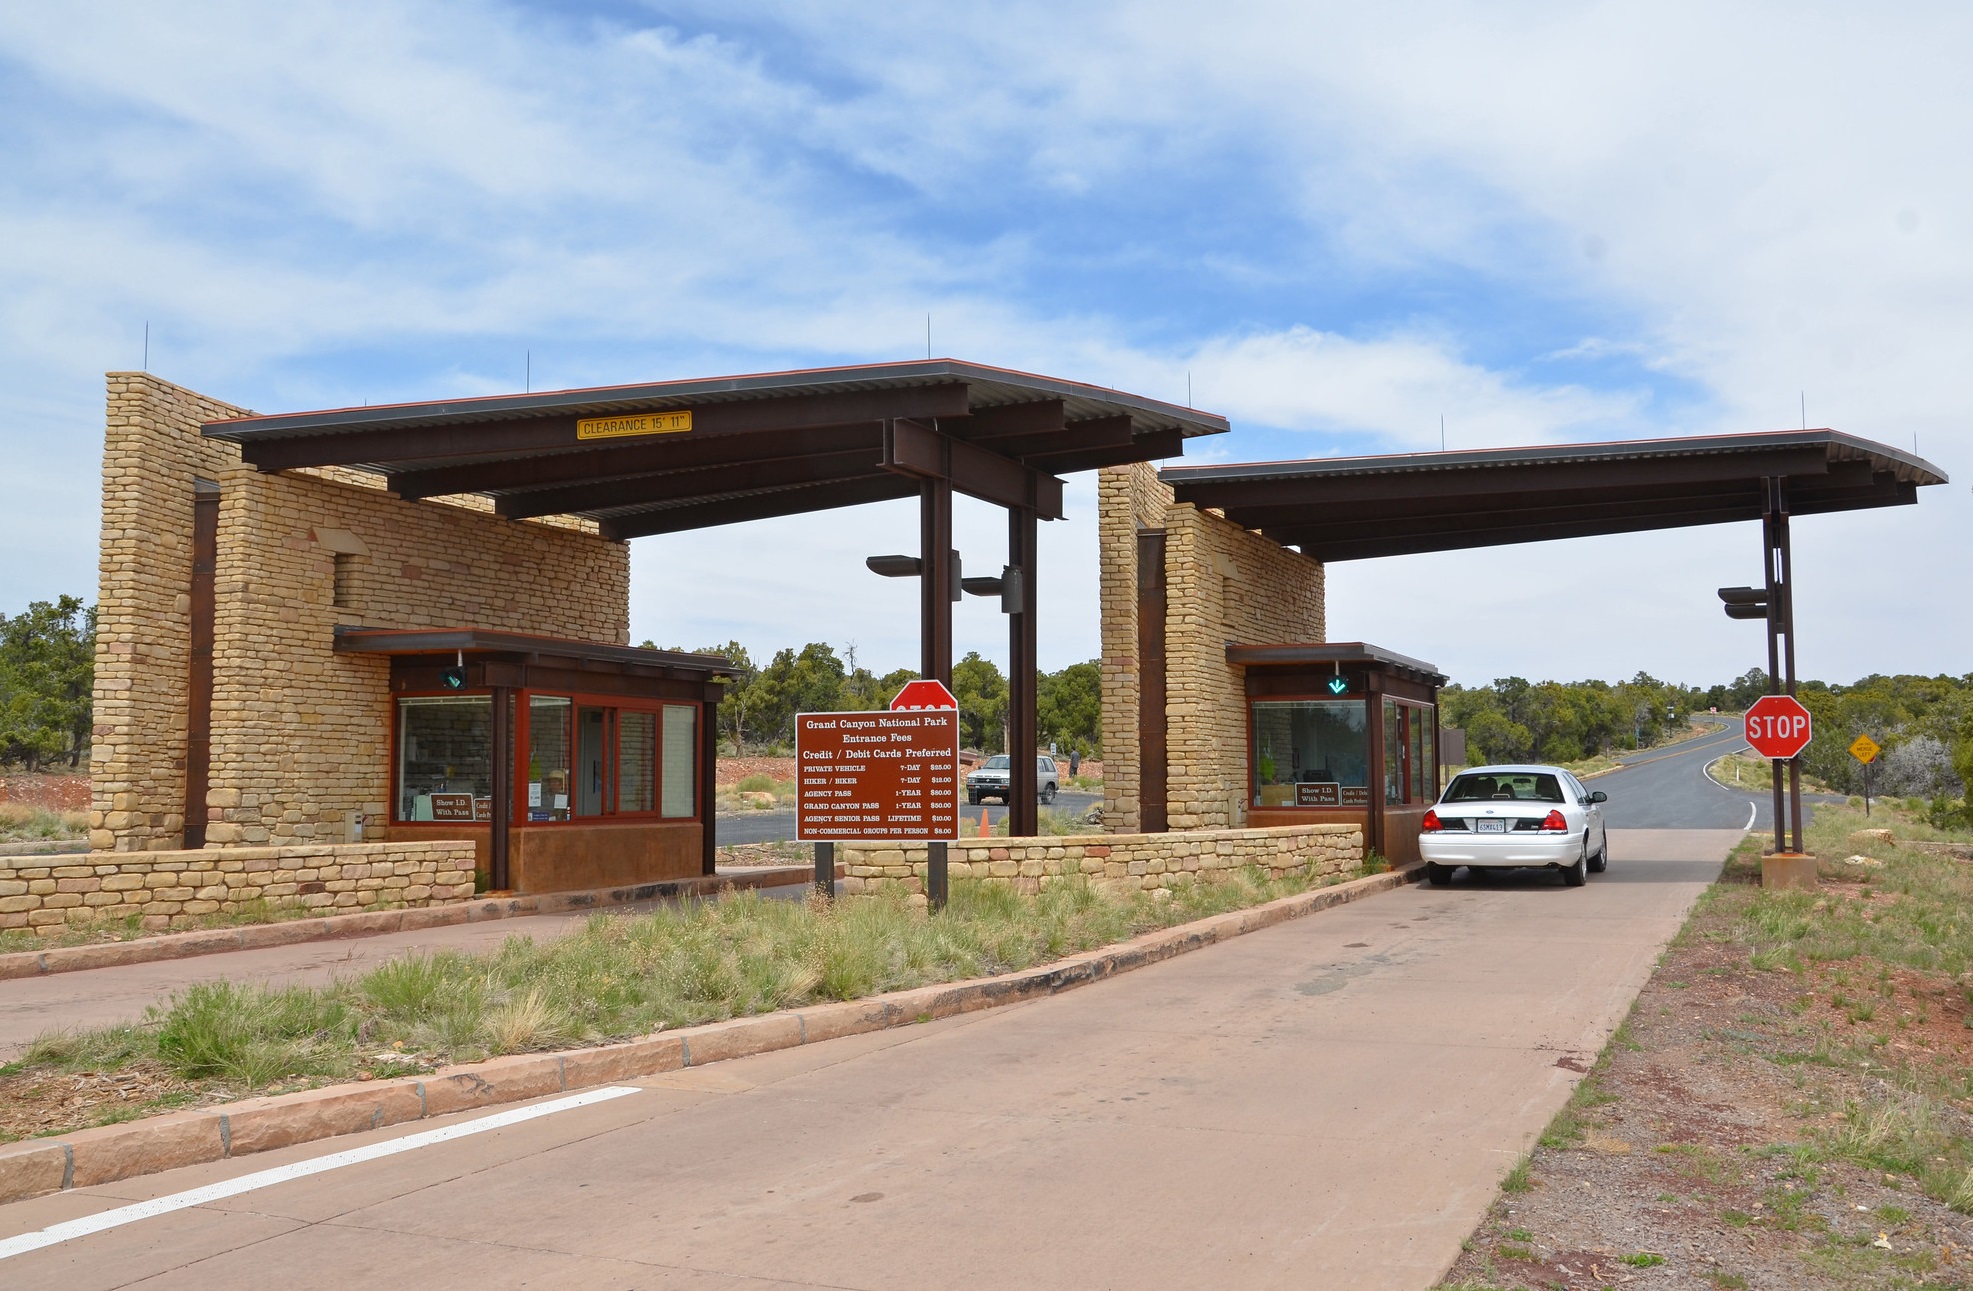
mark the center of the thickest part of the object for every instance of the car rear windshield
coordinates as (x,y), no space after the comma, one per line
(1505,786)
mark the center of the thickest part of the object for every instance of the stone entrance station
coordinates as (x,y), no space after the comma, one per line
(380,655)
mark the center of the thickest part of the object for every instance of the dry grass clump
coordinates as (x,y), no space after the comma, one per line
(626,975)
(21,823)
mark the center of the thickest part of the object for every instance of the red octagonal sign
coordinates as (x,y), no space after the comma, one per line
(926,693)
(1777,726)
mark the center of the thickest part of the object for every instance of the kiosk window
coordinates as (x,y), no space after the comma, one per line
(1393,752)
(591,738)
(1319,743)
(445,758)
(637,761)
(681,761)
(548,783)
(1424,730)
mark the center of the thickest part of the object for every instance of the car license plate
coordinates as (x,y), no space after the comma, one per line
(1492,826)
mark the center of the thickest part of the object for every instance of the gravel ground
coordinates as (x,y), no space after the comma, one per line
(1695,1155)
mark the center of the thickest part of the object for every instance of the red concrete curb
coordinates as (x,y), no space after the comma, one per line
(371,923)
(112,1152)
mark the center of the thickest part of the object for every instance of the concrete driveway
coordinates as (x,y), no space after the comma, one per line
(1328,1103)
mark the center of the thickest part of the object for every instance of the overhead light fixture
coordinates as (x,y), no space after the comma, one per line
(910,567)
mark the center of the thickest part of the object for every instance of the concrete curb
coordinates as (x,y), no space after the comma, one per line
(112,1152)
(371,923)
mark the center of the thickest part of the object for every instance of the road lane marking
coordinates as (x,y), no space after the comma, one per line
(74,1228)
(1753,809)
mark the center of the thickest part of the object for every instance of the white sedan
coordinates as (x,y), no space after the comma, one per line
(1507,817)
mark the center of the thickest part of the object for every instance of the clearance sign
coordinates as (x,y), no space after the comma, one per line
(643,423)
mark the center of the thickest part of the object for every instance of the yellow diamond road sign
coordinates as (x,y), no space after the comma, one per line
(1864,749)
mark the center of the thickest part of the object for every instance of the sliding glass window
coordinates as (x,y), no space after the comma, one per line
(1310,753)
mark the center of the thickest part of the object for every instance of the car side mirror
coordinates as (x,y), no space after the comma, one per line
(1599,796)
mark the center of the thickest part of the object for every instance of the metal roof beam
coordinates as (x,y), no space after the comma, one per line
(1328,545)
(1002,421)
(1154,446)
(1354,515)
(1514,512)
(1093,432)
(1316,487)
(552,434)
(596,465)
(920,452)
(676,486)
(761,506)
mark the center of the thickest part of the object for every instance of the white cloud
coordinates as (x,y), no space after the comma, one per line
(1396,388)
(314,204)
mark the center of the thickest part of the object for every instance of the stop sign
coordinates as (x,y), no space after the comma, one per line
(925,693)
(1777,726)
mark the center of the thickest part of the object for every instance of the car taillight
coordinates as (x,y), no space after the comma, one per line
(1554,821)
(1431,822)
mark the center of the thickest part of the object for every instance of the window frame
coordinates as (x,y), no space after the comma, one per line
(613,705)
(1372,758)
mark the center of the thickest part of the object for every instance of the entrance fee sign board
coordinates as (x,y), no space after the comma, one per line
(1777,726)
(877,775)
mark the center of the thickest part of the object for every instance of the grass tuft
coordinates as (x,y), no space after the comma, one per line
(622,975)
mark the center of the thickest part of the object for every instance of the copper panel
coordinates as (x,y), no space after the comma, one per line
(198,721)
(1152,729)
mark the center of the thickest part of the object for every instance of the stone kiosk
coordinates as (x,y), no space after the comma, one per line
(567,764)
(1342,733)
(296,678)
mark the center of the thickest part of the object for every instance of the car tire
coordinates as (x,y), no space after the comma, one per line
(972,800)
(1601,861)
(1578,874)
(1047,794)
(1438,875)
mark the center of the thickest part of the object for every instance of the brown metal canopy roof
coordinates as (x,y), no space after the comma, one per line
(1337,652)
(532,647)
(1350,508)
(770,444)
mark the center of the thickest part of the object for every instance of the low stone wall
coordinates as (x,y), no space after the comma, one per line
(46,892)
(1127,861)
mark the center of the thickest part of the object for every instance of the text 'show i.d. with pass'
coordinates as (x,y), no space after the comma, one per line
(877,775)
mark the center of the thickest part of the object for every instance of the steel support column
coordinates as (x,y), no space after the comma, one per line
(936,589)
(1777,562)
(1788,652)
(825,871)
(1022,682)
(500,827)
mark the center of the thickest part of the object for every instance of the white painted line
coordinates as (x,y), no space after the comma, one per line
(74,1228)
(1753,809)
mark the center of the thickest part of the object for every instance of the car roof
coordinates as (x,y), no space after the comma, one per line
(1515,768)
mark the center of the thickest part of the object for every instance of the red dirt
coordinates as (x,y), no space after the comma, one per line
(61,791)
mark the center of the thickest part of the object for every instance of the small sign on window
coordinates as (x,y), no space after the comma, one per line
(454,806)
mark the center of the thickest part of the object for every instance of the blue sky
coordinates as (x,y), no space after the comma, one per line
(1342,223)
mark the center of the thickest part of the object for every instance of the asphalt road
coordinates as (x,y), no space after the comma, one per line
(779,826)
(1327,1103)
(1667,788)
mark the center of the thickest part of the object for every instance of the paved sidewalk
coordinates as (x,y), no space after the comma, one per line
(1327,1103)
(97,996)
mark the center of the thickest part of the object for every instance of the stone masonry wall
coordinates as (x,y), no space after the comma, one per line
(300,735)
(1128,498)
(1222,584)
(1123,862)
(48,892)
(144,608)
